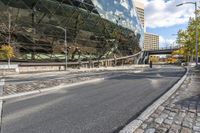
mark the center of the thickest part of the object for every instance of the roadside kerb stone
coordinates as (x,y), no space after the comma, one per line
(135,124)
(1,102)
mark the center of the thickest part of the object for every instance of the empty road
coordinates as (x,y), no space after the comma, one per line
(100,107)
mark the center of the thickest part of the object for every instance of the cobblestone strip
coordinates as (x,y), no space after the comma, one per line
(180,113)
(11,88)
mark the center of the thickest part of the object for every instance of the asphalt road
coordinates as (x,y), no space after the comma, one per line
(100,107)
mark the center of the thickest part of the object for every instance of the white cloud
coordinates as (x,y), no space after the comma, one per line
(162,13)
(167,42)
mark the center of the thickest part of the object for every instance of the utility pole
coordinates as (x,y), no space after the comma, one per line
(65,44)
(65,48)
(196,26)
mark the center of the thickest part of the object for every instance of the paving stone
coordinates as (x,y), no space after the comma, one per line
(198,119)
(150,130)
(196,128)
(150,120)
(198,114)
(182,114)
(191,115)
(159,120)
(170,118)
(178,120)
(197,123)
(159,110)
(161,130)
(175,128)
(172,105)
(172,114)
(166,111)
(153,125)
(186,130)
(155,115)
(176,109)
(189,119)
(192,108)
(168,121)
(139,131)
(144,126)
(184,107)
(187,124)
(164,115)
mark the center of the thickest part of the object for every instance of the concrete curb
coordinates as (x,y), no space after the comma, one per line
(61,86)
(132,126)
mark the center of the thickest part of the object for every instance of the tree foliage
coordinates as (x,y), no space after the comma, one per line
(6,52)
(187,38)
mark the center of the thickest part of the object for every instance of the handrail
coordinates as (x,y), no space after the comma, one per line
(77,63)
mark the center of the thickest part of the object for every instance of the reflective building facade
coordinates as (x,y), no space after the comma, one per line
(95,29)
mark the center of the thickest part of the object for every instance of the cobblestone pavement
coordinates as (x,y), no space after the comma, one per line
(180,113)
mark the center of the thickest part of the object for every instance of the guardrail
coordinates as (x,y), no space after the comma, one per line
(77,63)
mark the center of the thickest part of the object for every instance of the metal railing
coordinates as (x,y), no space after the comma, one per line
(165,48)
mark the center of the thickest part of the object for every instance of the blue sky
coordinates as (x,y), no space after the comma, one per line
(164,18)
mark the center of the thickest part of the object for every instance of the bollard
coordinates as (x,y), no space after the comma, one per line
(150,64)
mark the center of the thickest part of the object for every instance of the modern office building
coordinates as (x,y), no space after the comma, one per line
(140,11)
(95,29)
(151,41)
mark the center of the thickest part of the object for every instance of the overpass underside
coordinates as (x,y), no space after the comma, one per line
(146,54)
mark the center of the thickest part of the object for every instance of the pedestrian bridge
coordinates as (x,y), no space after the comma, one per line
(161,51)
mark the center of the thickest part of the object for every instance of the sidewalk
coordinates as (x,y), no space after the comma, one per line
(180,113)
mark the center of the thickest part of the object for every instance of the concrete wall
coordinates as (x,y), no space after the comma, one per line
(25,69)
(5,69)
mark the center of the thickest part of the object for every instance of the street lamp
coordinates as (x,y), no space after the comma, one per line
(194,3)
(65,30)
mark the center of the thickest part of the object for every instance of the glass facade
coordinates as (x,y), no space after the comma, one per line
(95,29)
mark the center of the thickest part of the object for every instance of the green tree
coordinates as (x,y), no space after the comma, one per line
(187,39)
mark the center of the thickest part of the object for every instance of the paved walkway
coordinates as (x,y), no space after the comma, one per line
(180,113)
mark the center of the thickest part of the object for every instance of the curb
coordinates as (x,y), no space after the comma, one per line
(61,86)
(2,82)
(132,126)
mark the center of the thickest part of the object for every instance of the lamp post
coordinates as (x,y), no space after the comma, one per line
(195,4)
(65,30)
(9,34)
